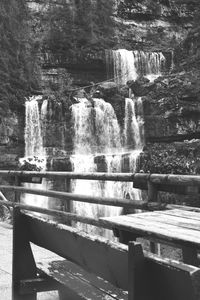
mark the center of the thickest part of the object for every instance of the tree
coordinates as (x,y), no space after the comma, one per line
(17,77)
(79,25)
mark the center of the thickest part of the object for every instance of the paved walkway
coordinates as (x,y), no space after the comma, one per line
(6,264)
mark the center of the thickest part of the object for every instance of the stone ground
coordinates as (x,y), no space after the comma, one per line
(6,264)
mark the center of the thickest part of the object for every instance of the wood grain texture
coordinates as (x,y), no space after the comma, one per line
(29,286)
(186,214)
(150,277)
(95,254)
(171,219)
(84,283)
(142,226)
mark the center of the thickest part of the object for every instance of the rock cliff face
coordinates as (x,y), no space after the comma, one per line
(11,140)
(171,104)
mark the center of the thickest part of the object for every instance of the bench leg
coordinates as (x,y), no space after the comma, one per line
(125,237)
(190,256)
(23,261)
(136,273)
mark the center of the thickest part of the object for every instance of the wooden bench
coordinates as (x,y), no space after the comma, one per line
(94,268)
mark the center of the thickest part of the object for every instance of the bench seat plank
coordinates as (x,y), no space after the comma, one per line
(82,282)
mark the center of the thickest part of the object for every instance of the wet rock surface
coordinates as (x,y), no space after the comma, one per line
(173,106)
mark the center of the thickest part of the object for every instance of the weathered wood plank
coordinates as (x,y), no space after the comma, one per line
(154,229)
(171,280)
(29,286)
(191,215)
(97,255)
(172,220)
(64,270)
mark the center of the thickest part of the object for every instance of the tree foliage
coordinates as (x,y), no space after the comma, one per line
(16,60)
(79,25)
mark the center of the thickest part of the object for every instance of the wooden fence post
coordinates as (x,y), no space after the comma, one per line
(17,194)
(152,192)
(153,197)
(67,204)
(23,266)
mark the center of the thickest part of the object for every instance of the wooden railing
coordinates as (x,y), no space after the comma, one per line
(157,275)
(153,183)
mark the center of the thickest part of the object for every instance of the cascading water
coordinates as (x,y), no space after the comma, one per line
(149,64)
(96,131)
(133,141)
(128,65)
(34,150)
(132,136)
(33,134)
(124,66)
(98,135)
(43,118)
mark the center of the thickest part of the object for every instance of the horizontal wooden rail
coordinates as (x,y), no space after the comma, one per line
(56,213)
(164,179)
(120,202)
(71,216)
(127,177)
(168,179)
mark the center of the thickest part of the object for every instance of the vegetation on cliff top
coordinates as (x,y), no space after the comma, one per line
(79,27)
(17,77)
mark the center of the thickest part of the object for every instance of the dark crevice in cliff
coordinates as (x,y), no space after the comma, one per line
(174,138)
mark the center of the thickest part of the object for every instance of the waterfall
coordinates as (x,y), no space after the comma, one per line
(133,139)
(124,66)
(107,129)
(132,134)
(44,110)
(34,151)
(97,134)
(96,131)
(149,64)
(128,65)
(33,135)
